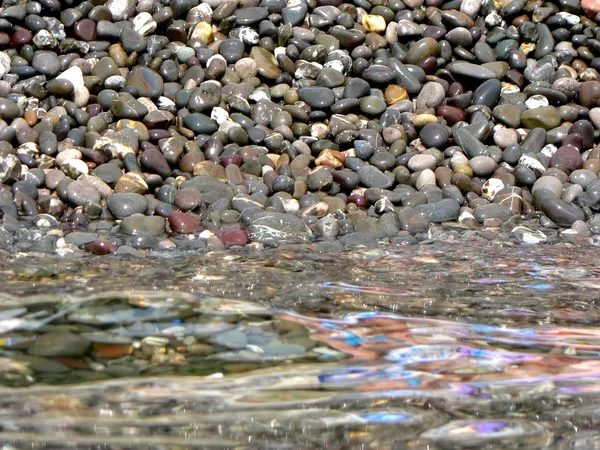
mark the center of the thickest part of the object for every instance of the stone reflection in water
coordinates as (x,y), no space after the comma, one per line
(425,348)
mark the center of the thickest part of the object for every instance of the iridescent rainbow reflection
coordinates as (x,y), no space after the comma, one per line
(431,357)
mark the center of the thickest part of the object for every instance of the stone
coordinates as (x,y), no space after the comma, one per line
(125,204)
(275,229)
(59,343)
(560,212)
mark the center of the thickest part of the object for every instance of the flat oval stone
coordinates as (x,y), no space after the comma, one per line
(183,223)
(434,135)
(546,117)
(147,82)
(125,204)
(562,213)
(9,110)
(422,49)
(316,97)
(371,177)
(467,69)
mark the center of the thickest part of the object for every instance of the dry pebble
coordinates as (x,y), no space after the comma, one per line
(268,123)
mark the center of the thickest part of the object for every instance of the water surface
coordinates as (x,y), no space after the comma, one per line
(440,346)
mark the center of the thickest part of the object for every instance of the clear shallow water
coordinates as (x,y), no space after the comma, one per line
(444,346)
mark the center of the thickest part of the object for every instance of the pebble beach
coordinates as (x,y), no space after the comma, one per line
(143,127)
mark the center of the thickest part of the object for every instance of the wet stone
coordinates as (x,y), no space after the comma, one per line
(275,229)
(560,212)
(125,204)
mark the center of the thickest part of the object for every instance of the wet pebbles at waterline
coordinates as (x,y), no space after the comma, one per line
(135,125)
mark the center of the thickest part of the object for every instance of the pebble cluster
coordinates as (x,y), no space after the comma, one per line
(146,124)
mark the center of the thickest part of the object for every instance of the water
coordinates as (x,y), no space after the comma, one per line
(444,346)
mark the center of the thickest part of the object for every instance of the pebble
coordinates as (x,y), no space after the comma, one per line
(364,120)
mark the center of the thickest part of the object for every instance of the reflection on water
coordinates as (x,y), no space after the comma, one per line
(432,347)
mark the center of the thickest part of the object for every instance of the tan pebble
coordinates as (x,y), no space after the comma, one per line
(464,169)
(394,94)
(374,23)
(202,31)
(420,120)
(132,182)
(331,158)
(211,169)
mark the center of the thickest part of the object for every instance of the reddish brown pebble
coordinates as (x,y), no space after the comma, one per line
(73,363)
(85,29)
(567,158)
(589,93)
(584,129)
(109,351)
(234,237)
(184,223)
(231,159)
(429,64)
(451,114)
(21,38)
(573,139)
(100,247)
(31,118)
(94,109)
(359,200)
(591,7)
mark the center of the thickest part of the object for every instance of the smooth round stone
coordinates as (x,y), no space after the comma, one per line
(582,177)
(422,49)
(584,129)
(371,176)
(357,87)
(59,87)
(470,70)
(147,82)
(445,210)
(330,77)
(232,50)
(9,110)
(546,117)
(125,204)
(142,224)
(372,105)
(422,161)
(431,96)
(205,97)
(434,135)
(188,199)
(567,158)
(492,211)
(251,15)
(589,93)
(183,223)
(508,114)
(550,183)
(80,192)
(200,123)
(132,41)
(379,74)
(266,63)
(482,165)
(487,93)
(85,30)
(562,213)
(142,241)
(316,97)
(451,114)
(105,67)
(100,247)
(46,63)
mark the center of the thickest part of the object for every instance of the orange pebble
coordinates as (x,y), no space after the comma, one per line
(31,118)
